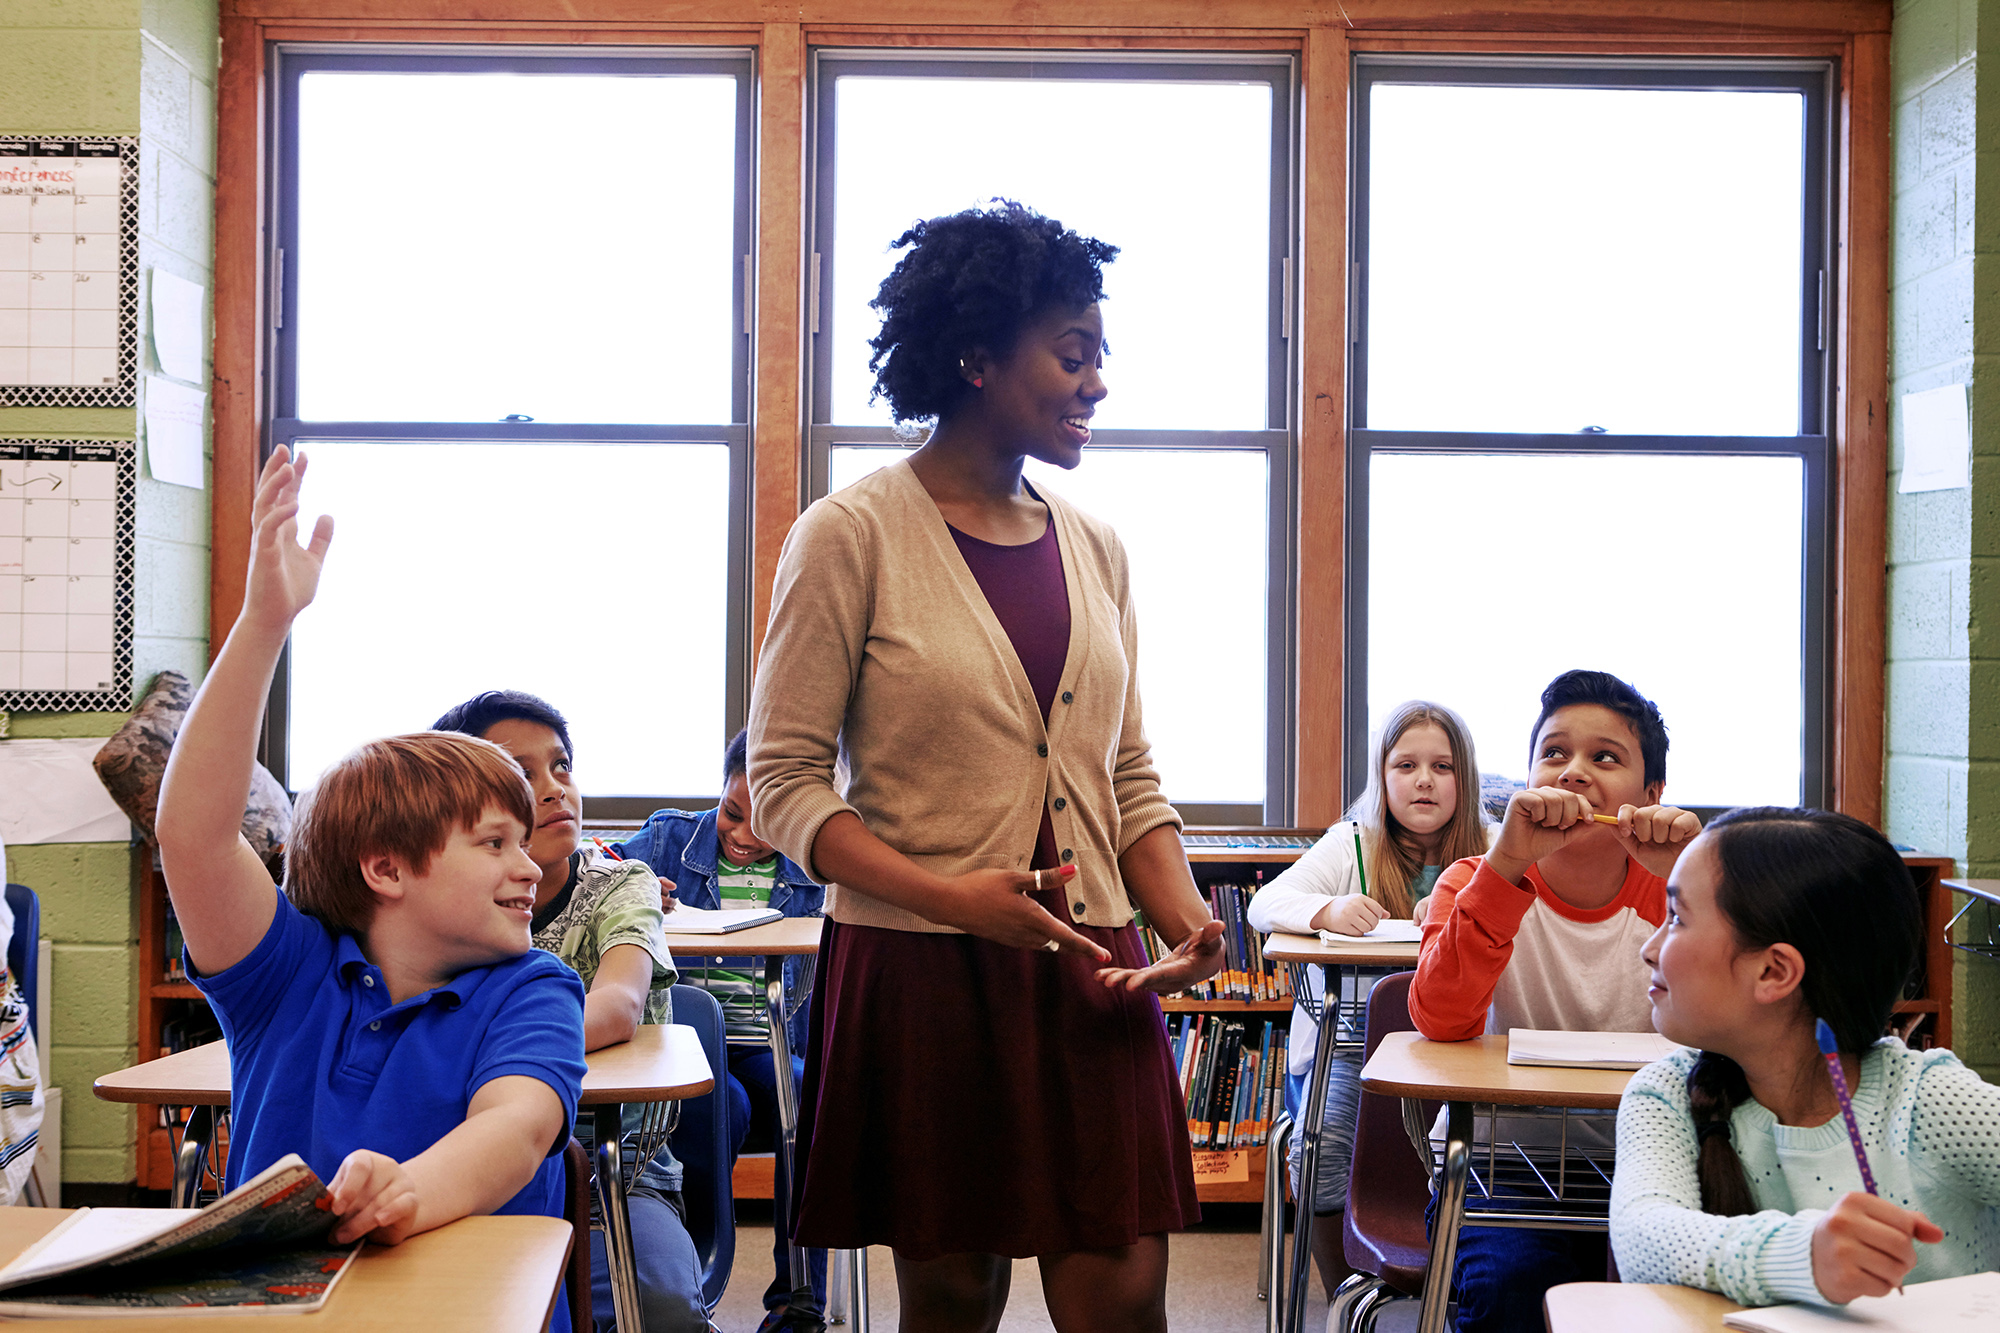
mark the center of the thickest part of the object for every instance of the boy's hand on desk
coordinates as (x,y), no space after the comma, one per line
(1865,1246)
(1194,960)
(374,1196)
(1656,836)
(1350,914)
(284,576)
(1539,821)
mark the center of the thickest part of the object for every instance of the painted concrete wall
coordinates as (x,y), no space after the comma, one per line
(1943,771)
(143,67)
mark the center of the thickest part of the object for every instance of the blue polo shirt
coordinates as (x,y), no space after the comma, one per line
(321,1063)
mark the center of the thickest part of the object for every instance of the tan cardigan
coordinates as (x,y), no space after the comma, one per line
(887,687)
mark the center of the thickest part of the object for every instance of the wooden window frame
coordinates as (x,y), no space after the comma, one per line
(1853,33)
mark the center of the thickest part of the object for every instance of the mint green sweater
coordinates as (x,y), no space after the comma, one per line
(1932,1128)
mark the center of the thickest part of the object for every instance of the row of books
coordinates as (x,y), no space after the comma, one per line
(171,969)
(1232,1078)
(1247,974)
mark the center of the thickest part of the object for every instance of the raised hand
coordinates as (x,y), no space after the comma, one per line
(1195,959)
(284,575)
(1865,1246)
(994,905)
(1656,835)
(1350,914)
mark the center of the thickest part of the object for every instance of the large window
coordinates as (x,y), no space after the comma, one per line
(1187,166)
(511,338)
(1589,406)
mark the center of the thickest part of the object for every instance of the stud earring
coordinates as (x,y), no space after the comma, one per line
(978,381)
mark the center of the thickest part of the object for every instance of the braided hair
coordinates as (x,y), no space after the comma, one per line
(1835,890)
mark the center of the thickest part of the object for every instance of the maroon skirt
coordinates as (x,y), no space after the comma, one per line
(962,1096)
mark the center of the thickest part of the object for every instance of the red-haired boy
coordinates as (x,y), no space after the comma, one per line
(388,1022)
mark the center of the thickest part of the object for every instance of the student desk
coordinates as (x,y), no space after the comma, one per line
(661,1063)
(1462,1074)
(1634,1307)
(774,942)
(1300,952)
(477,1275)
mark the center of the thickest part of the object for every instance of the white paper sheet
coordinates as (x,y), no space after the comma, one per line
(1937,441)
(1952,1303)
(685,920)
(1393,930)
(1586,1050)
(175,415)
(50,793)
(177,336)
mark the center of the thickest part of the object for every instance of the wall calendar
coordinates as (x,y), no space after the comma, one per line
(66,538)
(69,270)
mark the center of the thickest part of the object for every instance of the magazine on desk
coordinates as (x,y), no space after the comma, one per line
(262,1248)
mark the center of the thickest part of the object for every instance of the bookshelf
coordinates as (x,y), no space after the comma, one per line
(1239,856)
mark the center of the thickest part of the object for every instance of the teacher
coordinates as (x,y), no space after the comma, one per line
(946,730)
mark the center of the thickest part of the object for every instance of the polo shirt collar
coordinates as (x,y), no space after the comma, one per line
(355,970)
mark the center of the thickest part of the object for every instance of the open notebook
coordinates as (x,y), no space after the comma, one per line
(1949,1305)
(1393,930)
(262,1248)
(685,920)
(1586,1050)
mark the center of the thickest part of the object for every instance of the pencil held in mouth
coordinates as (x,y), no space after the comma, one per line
(1605,819)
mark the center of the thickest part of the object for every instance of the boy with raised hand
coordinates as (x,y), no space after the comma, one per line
(1544,932)
(387,1021)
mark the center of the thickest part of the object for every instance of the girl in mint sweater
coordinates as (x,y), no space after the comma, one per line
(1734,1167)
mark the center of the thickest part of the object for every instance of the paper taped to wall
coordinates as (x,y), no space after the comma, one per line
(50,793)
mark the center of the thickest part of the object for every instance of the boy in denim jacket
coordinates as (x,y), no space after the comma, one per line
(712,860)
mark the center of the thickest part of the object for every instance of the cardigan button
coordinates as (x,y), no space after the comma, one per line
(1068,698)
(1068,856)
(1061,803)
(1042,750)
(1076,909)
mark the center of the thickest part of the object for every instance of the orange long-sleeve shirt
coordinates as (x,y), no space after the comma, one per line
(1495,956)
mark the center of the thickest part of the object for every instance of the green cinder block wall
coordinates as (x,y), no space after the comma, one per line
(144,67)
(1943,681)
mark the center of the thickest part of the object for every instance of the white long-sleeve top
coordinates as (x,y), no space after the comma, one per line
(1932,1130)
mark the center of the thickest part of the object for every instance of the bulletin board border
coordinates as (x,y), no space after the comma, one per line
(124,538)
(125,392)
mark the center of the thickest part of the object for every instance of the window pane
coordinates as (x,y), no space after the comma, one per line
(1177,174)
(458,568)
(1195,524)
(1550,259)
(1691,593)
(553,245)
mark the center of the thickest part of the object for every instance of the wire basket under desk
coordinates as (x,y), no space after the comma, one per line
(1350,1005)
(1564,1185)
(1983,928)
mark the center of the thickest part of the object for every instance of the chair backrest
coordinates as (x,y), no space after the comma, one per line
(24,954)
(711,1214)
(576,1209)
(1388,1186)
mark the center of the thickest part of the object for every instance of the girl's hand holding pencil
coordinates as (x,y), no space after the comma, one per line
(1866,1246)
(1350,914)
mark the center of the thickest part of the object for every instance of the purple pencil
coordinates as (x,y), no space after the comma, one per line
(1831,1050)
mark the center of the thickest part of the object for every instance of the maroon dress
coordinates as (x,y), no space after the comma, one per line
(963,1096)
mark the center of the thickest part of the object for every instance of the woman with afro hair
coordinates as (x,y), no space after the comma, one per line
(946,730)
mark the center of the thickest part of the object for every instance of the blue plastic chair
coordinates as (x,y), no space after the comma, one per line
(24,955)
(711,1214)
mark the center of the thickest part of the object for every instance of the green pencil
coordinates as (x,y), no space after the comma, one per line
(1360,863)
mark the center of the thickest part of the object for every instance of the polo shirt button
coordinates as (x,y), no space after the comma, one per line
(1068,698)
(1042,750)
(376,1026)
(1068,856)
(368,981)
(1076,909)
(1060,803)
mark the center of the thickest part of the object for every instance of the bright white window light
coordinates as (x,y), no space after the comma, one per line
(458,568)
(473,246)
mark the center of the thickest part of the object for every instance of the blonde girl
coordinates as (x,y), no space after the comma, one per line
(1419,814)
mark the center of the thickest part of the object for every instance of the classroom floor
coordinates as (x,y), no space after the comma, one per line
(1211,1283)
